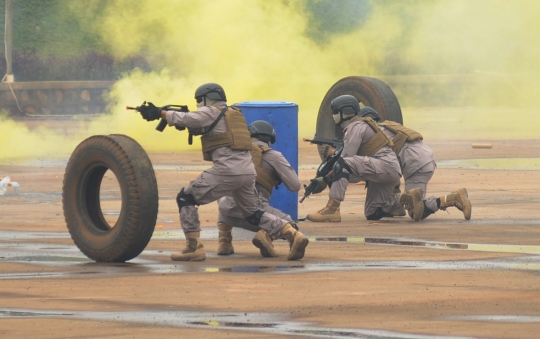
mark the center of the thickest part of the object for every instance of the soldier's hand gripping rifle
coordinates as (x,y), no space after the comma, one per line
(162,123)
(325,168)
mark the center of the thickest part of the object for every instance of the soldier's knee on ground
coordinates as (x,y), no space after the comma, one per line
(377,215)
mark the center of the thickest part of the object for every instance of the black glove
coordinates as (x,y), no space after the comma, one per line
(150,112)
(320,184)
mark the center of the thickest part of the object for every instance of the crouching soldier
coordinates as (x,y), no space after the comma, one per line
(367,154)
(272,169)
(418,166)
(227,144)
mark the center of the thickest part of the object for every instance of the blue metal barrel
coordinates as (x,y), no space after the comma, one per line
(284,117)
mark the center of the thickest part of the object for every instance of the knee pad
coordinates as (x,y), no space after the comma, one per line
(255,218)
(183,199)
(341,170)
(377,215)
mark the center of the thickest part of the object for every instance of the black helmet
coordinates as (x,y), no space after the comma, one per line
(211,91)
(369,112)
(262,130)
(346,106)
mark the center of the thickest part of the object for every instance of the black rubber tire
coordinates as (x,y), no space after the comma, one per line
(81,201)
(369,91)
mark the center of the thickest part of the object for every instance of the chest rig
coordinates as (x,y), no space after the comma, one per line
(378,141)
(236,137)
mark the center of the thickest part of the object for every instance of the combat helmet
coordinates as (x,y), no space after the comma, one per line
(211,91)
(369,112)
(262,130)
(344,108)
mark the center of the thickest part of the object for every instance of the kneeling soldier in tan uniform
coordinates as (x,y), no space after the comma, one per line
(367,154)
(418,166)
(272,169)
(227,144)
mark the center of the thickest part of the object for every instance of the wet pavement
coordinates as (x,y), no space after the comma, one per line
(36,258)
(254,322)
(58,255)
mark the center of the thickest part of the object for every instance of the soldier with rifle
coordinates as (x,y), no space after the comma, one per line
(366,154)
(227,144)
(417,165)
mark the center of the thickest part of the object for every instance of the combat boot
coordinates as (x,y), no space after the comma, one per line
(263,241)
(225,246)
(399,212)
(329,213)
(458,199)
(413,198)
(297,242)
(194,250)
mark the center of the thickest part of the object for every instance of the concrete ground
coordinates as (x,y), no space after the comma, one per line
(444,277)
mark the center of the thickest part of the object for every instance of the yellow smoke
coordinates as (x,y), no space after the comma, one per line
(257,50)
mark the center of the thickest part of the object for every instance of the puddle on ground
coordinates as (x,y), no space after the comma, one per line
(499,318)
(255,269)
(499,248)
(516,164)
(49,258)
(267,323)
(68,255)
(80,267)
(18,235)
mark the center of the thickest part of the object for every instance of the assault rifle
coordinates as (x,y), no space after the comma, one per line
(162,123)
(328,163)
(336,143)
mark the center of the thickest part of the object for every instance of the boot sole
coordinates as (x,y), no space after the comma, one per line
(225,252)
(418,203)
(298,248)
(467,207)
(265,252)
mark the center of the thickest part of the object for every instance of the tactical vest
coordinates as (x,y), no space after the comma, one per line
(265,178)
(403,134)
(237,135)
(378,141)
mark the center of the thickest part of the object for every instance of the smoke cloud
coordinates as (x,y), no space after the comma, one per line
(259,50)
